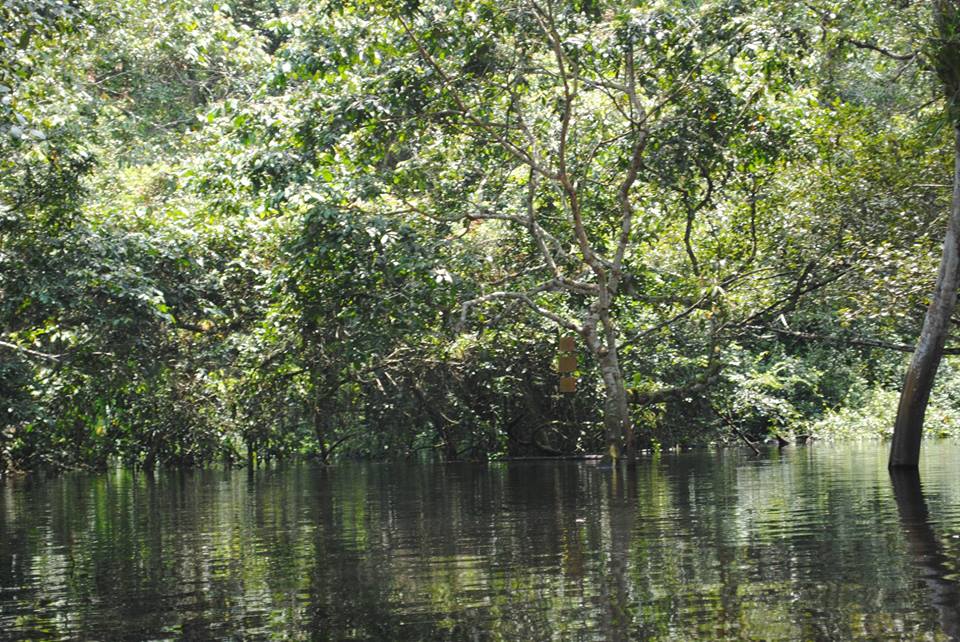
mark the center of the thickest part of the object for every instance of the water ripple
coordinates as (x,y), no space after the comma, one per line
(809,543)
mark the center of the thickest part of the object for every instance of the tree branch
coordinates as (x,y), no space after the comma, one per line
(867,343)
(33,353)
(863,44)
(519,153)
(524,298)
(704,381)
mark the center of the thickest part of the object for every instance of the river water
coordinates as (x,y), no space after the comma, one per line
(816,542)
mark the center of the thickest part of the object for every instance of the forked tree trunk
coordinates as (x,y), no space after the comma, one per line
(905,450)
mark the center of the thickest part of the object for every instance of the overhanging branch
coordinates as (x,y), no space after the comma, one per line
(850,341)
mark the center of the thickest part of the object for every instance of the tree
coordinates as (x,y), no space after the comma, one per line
(577,136)
(353,228)
(908,430)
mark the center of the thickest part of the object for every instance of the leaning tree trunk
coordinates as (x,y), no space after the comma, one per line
(908,429)
(905,450)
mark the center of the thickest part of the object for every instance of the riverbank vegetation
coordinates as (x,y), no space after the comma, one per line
(348,229)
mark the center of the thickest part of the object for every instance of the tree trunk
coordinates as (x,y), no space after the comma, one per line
(905,450)
(616,406)
(616,410)
(324,424)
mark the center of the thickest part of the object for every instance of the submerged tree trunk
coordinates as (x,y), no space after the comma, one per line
(908,429)
(600,334)
(616,410)
(907,432)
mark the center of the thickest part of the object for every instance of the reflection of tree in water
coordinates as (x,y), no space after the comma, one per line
(507,552)
(925,549)
(351,592)
(684,547)
(758,549)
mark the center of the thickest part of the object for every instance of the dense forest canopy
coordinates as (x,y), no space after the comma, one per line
(359,229)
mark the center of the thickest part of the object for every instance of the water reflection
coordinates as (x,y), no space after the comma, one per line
(813,543)
(925,548)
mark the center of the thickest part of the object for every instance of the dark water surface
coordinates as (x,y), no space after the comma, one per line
(809,543)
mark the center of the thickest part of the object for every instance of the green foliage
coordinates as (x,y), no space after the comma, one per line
(869,412)
(269,228)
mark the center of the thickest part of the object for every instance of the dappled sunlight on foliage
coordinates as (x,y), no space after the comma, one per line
(262,229)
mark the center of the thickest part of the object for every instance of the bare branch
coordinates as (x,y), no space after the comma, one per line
(668,322)
(572,198)
(524,298)
(33,353)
